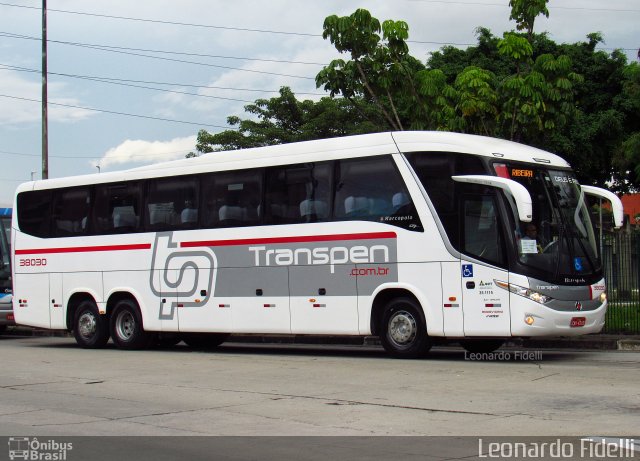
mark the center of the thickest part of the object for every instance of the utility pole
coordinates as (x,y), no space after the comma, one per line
(45,121)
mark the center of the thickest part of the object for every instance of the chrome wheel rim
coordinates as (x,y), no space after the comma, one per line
(125,325)
(87,325)
(403,328)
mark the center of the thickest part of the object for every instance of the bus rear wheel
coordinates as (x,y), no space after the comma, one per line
(90,329)
(481,346)
(403,333)
(127,331)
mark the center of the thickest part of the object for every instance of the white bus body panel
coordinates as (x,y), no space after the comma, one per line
(486,306)
(452,311)
(31,292)
(210,279)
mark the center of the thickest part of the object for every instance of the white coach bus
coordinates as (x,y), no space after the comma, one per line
(411,236)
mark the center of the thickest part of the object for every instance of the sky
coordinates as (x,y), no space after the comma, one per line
(158,71)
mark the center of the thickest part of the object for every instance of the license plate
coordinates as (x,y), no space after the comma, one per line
(578,322)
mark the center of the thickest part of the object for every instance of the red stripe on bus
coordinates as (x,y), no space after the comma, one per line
(35,251)
(303,239)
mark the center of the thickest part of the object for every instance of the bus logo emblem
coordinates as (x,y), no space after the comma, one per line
(181,273)
(578,306)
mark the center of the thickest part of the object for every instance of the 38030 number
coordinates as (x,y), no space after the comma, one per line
(33,262)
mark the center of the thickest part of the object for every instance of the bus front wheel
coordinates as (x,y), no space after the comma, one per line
(127,331)
(403,333)
(90,329)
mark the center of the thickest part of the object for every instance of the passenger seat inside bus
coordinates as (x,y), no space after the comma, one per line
(314,210)
(189,216)
(231,215)
(355,207)
(124,217)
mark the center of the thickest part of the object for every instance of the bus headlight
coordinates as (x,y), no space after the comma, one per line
(524,292)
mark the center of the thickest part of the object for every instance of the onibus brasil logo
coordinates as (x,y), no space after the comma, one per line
(31,448)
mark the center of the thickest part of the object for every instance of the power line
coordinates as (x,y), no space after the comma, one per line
(118,113)
(243,29)
(173,23)
(162,58)
(122,49)
(300,34)
(551,7)
(152,82)
(3,66)
(148,50)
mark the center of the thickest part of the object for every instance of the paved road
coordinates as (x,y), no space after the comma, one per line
(50,386)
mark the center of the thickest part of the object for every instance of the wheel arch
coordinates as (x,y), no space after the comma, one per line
(120,295)
(383,297)
(74,301)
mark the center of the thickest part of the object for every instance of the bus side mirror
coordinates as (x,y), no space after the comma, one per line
(519,193)
(616,203)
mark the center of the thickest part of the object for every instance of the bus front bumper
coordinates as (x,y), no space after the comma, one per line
(532,319)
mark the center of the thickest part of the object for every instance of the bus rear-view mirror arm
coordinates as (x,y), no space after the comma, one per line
(519,193)
(616,203)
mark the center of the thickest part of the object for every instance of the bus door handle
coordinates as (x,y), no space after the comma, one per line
(259,292)
(322,291)
(471,285)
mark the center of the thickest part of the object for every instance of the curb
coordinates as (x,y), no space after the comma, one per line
(629,345)
(588,342)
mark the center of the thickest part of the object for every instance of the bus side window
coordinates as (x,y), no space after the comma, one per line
(70,211)
(298,193)
(117,208)
(232,198)
(481,234)
(172,203)
(435,170)
(34,212)
(372,189)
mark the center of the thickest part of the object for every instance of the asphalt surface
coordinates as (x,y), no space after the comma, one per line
(248,401)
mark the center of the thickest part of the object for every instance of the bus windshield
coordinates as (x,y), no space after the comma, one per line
(560,240)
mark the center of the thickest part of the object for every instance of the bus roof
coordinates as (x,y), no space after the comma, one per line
(323,149)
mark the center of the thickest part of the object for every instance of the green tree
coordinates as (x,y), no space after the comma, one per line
(571,99)
(284,119)
(380,70)
(525,12)
(627,157)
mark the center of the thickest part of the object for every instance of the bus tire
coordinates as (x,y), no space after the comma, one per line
(90,329)
(127,331)
(204,340)
(403,333)
(481,346)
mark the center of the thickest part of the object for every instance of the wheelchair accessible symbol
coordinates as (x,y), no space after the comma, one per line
(467,270)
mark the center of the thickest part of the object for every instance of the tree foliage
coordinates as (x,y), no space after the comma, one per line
(284,119)
(570,99)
